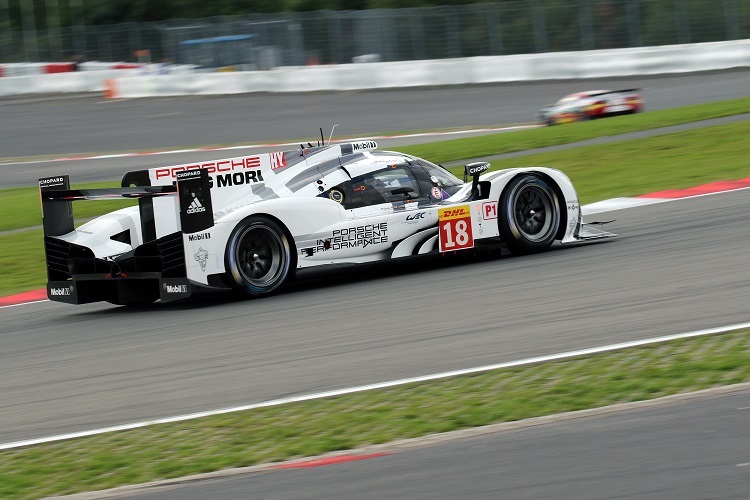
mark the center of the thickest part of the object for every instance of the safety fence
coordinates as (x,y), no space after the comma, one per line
(265,41)
(183,80)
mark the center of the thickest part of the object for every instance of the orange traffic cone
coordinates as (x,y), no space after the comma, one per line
(110,89)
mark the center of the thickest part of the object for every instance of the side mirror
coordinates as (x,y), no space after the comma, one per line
(476,168)
(473,170)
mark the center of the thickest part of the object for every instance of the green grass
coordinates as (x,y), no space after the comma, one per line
(22,207)
(22,262)
(475,147)
(373,417)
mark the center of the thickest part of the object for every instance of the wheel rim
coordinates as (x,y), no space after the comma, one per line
(260,256)
(534,213)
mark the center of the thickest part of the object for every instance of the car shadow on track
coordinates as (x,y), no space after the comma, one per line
(326,277)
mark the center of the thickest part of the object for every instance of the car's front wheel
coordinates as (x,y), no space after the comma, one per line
(530,215)
(259,256)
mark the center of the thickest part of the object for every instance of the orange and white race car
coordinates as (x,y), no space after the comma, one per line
(592,104)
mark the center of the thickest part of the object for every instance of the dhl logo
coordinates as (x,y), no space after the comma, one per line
(454,213)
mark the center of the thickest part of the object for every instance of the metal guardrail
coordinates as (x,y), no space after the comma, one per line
(336,37)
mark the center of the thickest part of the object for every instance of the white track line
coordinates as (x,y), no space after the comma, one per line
(270,145)
(25,303)
(379,385)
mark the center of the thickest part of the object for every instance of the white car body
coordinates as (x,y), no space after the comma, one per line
(318,197)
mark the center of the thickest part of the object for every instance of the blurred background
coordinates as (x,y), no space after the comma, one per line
(263,34)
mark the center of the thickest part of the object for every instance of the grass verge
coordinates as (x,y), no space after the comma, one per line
(374,417)
(22,208)
(475,147)
(22,261)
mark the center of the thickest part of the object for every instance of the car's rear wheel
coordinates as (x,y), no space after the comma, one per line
(530,215)
(259,256)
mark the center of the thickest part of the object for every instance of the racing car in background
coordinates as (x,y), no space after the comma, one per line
(248,223)
(590,105)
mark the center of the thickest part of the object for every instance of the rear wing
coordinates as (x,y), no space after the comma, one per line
(243,179)
(623,91)
(191,187)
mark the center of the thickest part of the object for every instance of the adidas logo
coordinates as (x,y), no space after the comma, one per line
(195,207)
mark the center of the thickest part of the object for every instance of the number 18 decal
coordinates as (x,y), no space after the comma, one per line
(454,228)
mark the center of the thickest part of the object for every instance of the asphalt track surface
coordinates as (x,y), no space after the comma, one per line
(676,267)
(682,449)
(76,125)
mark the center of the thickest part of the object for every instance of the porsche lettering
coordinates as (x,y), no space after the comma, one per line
(248,162)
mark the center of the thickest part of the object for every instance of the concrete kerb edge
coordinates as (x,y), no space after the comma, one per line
(431,440)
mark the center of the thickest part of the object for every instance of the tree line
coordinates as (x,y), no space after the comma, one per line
(56,13)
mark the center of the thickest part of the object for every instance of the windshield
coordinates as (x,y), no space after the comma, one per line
(442,178)
(568,100)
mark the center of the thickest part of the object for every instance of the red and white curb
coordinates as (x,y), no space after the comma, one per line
(270,145)
(667,195)
(320,462)
(24,298)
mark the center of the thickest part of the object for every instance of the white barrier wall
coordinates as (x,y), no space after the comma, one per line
(88,81)
(525,67)
(91,79)
(488,69)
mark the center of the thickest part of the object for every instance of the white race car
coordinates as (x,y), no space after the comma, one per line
(248,223)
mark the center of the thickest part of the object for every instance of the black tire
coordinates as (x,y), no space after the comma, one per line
(530,215)
(259,256)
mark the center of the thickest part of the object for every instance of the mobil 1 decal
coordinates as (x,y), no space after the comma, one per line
(454,228)
(193,189)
